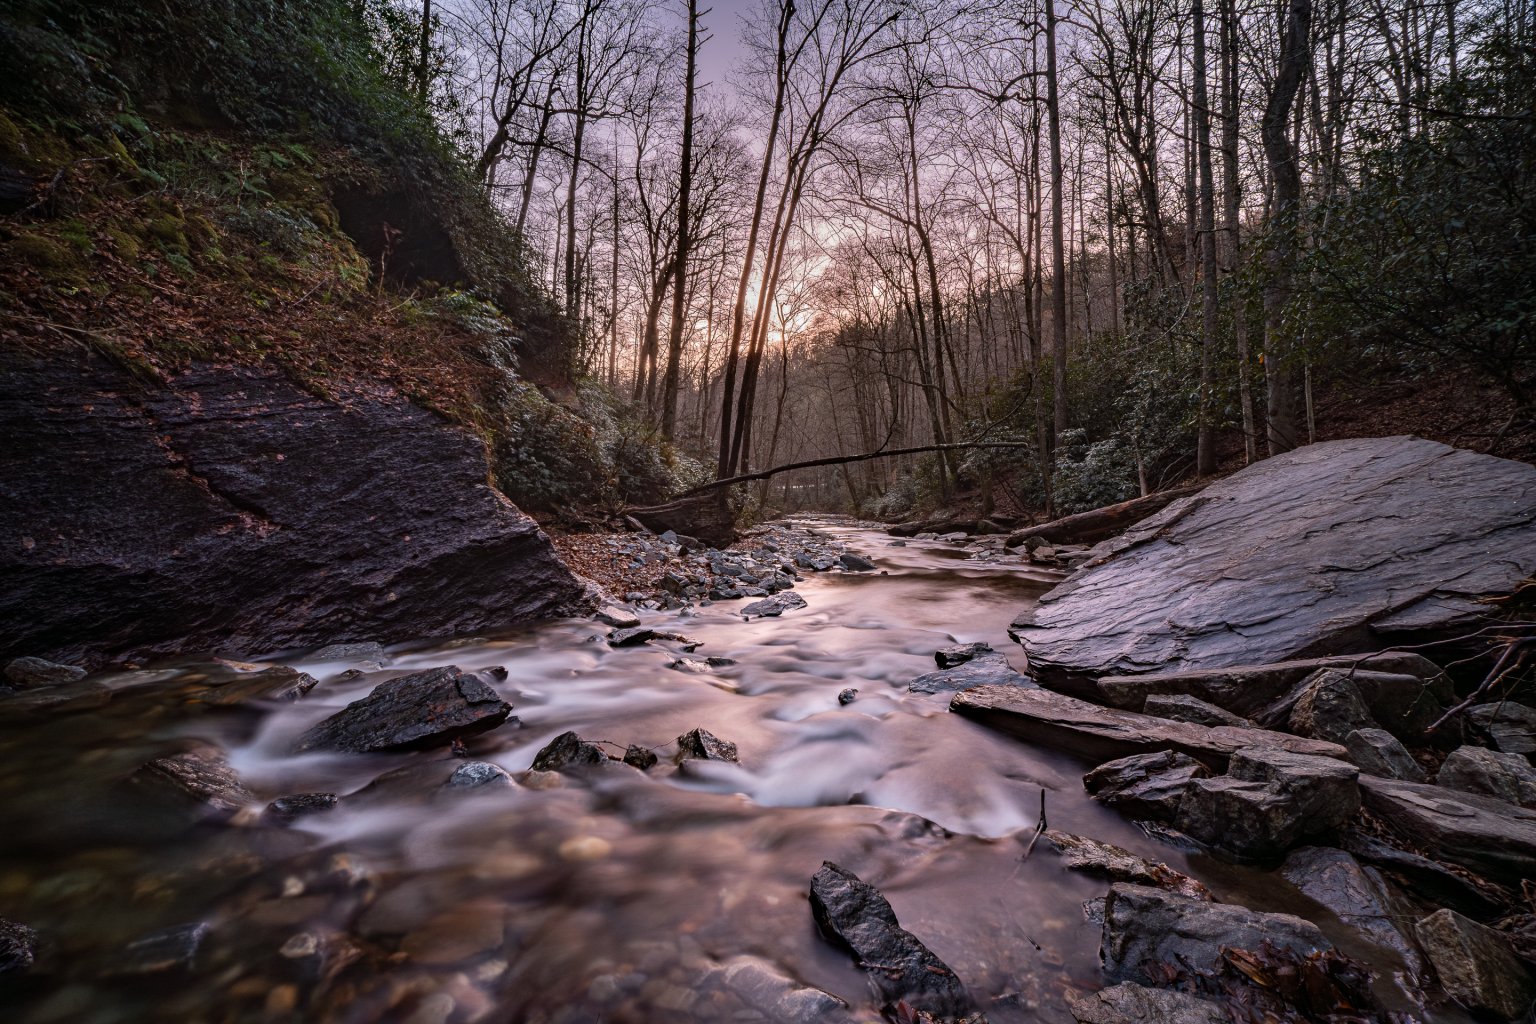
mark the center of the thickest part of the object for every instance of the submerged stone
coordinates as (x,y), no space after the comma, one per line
(287,809)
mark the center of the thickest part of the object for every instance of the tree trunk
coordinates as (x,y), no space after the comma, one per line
(680,262)
(1058,244)
(1205,455)
(1232,214)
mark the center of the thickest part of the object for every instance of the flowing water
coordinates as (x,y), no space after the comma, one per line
(676,895)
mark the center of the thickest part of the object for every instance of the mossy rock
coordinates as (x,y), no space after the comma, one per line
(13,145)
(124,244)
(170,231)
(55,261)
(201,231)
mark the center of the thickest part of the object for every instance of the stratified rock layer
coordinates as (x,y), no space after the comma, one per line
(1333,548)
(231,510)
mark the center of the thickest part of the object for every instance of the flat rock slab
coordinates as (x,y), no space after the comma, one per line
(199,782)
(904,970)
(1488,836)
(1057,720)
(1333,548)
(1133,1004)
(985,669)
(425,709)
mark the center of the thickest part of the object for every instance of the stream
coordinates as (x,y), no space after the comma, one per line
(675,895)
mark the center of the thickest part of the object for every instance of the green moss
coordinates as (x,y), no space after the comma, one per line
(13,146)
(124,244)
(170,231)
(57,263)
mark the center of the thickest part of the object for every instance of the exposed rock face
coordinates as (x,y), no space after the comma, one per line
(1476,966)
(285,810)
(1507,777)
(425,709)
(276,683)
(1332,548)
(1425,878)
(1054,719)
(858,916)
(1146,786)
(1133,1004)
(959,654)
(1378,752)
(1268,802)
(1489,836)
(232,511)
(1144,926)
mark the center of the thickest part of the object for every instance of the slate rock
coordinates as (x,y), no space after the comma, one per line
(1511,726)
(276,683)
(855,914)
(640,757)
(855,563)
(18,947)
(1508,777)
(1145,786)
(1057,720)
(566,751)
(1330,708)
(1144,926)
(762,990)
(1488,836)
(775,606)
(1183,708)
(618,618)
(1425,878)
(31,673)
(1093,856)
(285,810)
(1476,966)
(637,635)
(421,710)
(368,651)
(229,508)
(1357,895)
(47,701)
(959,654)
(1323,550)
(1269,801)
(1378,752)
(198,783)
(479,775)
(1126,1003)
(983,668)
(702,745)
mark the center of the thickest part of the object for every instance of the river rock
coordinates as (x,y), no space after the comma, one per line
(1106,860)
(479,775)
(1126,1003)
(982,668)
(1268,801)
(565,751)
(1247,690)
(1330,707)
(618,618)
(1057,720)
(855,563)
(763,989)
(1378,752)
(1329,549)
(1476,966)
(1426,879)
(636,635)
(46,701)
(775,606)
(276,683)
(847,695)
(959,654)
(1358,895)
(640,757)
(198,783)
(1507,777)
(285,810)
(1489,836)
(31,673)
(857,916)
(1144,926)
(1145,786)
(1511,726)
(424,709)
(1178,707)
(231,509)
(702,745)
(163,952)
(18,947)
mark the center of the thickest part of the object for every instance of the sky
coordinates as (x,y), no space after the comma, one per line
(722,52)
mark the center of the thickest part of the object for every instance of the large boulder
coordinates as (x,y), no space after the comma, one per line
(1480,770)
(1333,548)
(425,709)
(1378,752)
(1358,895)
(1269,801)
(1477,966)
(232,510)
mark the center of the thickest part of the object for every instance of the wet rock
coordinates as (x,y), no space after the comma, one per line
(367,651)
(1330,708)
(702,745)
(1057,720)
(229,508)
(31,673)
(857,916)
(285,810)
(46,701)
(982,668)
(1476,966)
(1183,708)
(847,696)
(774,606)
(1425,878)
(198,783)
(1135,1004)
(640,757)
(1378,752)
(855,563)
(1268,802)
(1144,927)
(276,683)
(1511,726)
(644,634)
(164,952)
(478,775)
(1359,896)
(959,654)
(425,709)
(618,618)
(1507,777)
(566,751)
(1145,786)
(694,665)
(18,947)
(1366,542)
(1081,853)
(765,990)
(1488,836)
(1246,690)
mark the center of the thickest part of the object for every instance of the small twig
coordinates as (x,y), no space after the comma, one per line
(1039,829)
(1496,675)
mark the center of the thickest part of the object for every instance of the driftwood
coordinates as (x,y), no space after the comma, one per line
(1092,527)
(706,516)
(838,460)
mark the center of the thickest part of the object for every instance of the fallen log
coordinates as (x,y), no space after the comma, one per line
(705,515)
(1094,526)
